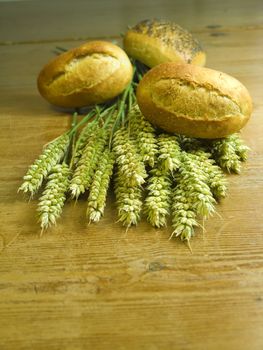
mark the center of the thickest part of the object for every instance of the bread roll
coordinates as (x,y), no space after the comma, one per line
(193,101)
(91,73)
(153,42)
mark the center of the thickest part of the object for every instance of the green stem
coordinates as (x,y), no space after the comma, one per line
(131,98)
(72,138)
(101,112)
(108,111)
(111,114)
(123,117)
(121,104)
(83,121)
(74,123)
(141,69)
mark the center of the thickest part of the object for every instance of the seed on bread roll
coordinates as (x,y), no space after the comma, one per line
(153,42)
(193,101)
(92,73)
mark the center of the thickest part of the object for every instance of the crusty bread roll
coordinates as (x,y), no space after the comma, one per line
(91,73)
(153,42)
(194,101)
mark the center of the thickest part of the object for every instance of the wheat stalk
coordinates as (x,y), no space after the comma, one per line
(144,134)
(158,200)
(240,148)
(54,196)
(229,152)
(88,131)
(216,179)
(88,163)
(128,200)
(131,167)
(183,215)
(39,170)
(99,187)
(169,152)
(192,196)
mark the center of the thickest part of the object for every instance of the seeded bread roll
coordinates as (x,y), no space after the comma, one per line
(193,101)
(153,42)
(92,73)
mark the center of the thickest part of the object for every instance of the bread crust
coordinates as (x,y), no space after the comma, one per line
(92,73)
(153,42)
(194,101)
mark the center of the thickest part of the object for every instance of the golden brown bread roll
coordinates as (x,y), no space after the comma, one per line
(153,42)
(91,73)
(194,101)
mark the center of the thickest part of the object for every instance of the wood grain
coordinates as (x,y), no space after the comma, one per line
(70,20)
(85,286)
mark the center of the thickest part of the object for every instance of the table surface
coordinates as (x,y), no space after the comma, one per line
(85,286)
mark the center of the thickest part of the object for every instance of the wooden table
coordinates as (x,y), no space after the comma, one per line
(97,287)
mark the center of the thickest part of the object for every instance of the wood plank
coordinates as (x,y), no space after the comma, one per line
(84,286)
(68,20)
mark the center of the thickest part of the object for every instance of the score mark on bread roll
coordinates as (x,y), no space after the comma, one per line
(193,101)
(92,73)
(153,42)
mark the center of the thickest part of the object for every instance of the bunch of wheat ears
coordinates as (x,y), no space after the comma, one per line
(154,173)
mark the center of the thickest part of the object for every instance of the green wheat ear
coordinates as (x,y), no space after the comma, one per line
(88,131)
(229,152)
(158,200)
(144,134)
(87,164)
(99,187)
(54,196)
(129,178)
(132,169)
(184,218)
(169,157)
(193,197)
(216,179)
(39,170)
(128,200)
